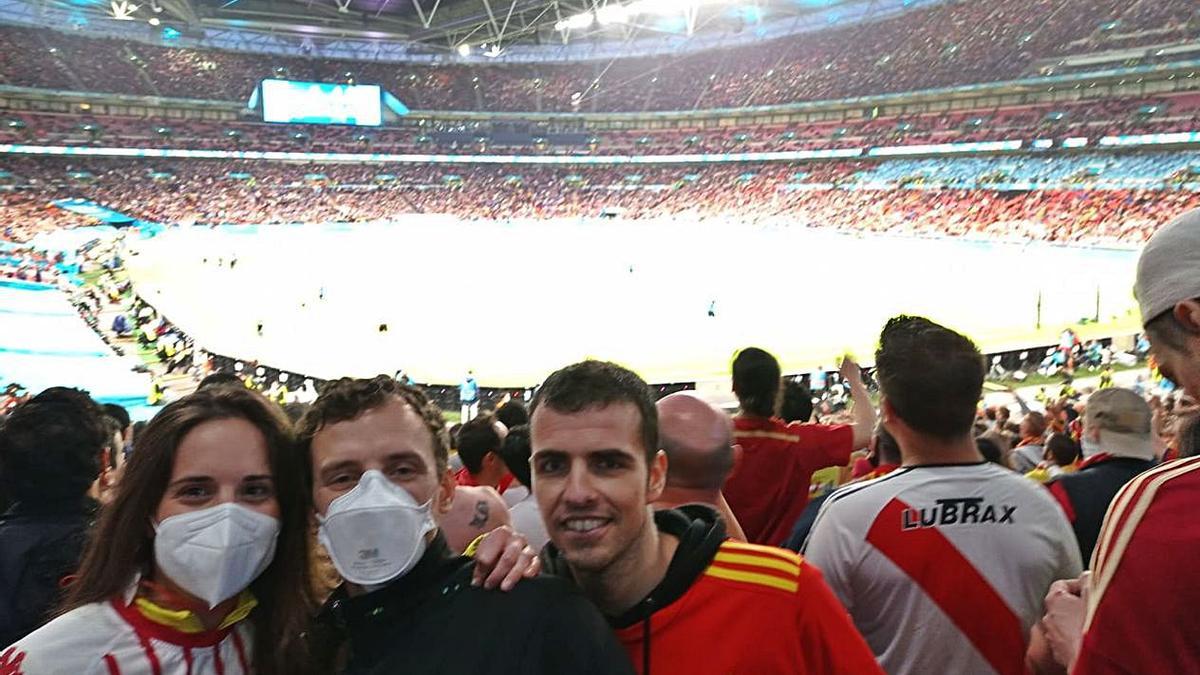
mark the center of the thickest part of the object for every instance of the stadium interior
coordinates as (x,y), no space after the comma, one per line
(599,337)
(1060,123)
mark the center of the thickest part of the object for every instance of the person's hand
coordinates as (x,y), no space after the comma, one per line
(502,558)
(1066,608)
(1159,418)
(851,372)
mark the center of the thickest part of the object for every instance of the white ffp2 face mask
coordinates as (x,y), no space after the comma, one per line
(375,532)
(216,552)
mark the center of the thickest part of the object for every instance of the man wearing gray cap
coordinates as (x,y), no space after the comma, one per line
(1136,611)
(1168,292)
(1118,444)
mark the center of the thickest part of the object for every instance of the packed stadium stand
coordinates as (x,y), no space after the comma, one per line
(1093,118)
(1026,196)
(1062,196)
(659,183)
(948,44)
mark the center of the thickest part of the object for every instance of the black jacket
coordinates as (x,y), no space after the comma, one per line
(1089,491)
(40,544)
(700,532)
(432,620)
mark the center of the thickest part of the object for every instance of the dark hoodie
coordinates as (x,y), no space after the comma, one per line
(40,546)
(432,620)
(700,532)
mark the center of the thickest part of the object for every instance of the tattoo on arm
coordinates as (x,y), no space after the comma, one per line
(481,515)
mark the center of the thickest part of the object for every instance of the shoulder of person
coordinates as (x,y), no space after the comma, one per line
(813,427)
(543,588)
(75,642)
(866,495)
(1133,508)
(553,600)
(1026,488)
(758,570)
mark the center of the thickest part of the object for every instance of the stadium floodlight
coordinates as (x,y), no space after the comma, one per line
(576,22)
(621,13)
(610,14)
(123,10)
(664,7)
(464,49)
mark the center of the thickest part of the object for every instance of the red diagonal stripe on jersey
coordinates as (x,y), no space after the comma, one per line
(954,585)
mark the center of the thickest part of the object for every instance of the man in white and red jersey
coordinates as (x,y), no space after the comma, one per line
(943,562)
(1136,611)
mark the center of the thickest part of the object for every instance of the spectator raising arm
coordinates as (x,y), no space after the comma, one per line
(864,412)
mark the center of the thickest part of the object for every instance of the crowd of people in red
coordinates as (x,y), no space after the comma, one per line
(1091,118)
(261,192)
(947,44)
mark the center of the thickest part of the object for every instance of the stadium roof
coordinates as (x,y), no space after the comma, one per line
(485,27)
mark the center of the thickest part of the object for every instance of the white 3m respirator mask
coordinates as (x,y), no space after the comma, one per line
(375,532)
(215,553)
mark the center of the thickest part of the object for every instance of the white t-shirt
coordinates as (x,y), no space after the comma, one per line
(113,638)
(944,568)
(515,494)
(526,516)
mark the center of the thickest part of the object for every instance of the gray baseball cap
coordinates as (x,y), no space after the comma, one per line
(1124,420)
(1168,271)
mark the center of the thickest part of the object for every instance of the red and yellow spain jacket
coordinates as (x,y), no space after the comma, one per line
(729,608)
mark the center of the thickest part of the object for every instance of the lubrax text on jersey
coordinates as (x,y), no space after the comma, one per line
(957,511)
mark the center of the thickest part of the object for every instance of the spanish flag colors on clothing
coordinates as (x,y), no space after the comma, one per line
(755,609)
(128,636)
(728,607)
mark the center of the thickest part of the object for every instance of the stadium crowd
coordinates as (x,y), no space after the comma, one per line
(842,196)
(1091,119)
(941,45)
(894,519)
(25,263)
(599,530)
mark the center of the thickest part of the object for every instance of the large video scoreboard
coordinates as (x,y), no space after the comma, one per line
(321,103)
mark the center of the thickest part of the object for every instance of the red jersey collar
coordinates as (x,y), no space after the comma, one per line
(147,628)
(879,471)
(466,479)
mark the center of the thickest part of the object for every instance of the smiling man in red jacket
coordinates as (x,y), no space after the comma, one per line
(682,598)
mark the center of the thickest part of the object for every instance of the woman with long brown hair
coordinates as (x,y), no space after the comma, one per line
(200,564)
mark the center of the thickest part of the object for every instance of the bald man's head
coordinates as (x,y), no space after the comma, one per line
(698,440)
